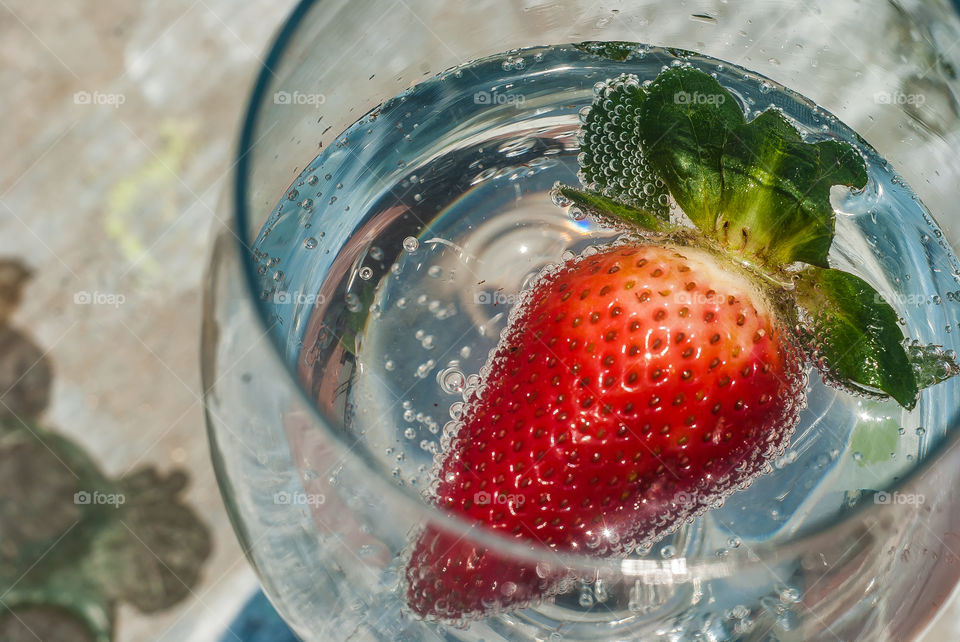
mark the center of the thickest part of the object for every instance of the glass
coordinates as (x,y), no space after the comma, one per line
(312,495)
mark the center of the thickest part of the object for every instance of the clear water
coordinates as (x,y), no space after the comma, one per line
(391,264)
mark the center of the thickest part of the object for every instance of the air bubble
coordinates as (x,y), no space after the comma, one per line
(668,551)
(365,273)
(410,244)
(424,368)
(310,243)
(559,199)
(353,302)
(790,595)
(586,596)
(452,381)
(312,180)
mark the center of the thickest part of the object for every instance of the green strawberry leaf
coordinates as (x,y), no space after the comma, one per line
(616,50)
(611,161)
(855,337)
(687,120)
(681,53)
(603,208)
(756,187)
(776,194)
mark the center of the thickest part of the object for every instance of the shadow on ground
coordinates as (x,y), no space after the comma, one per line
(75,543)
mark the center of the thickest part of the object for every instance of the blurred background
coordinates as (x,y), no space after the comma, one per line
(119,120)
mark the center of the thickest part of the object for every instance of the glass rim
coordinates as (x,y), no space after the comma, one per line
(693,567)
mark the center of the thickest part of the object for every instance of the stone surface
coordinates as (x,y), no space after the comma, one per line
(119,125)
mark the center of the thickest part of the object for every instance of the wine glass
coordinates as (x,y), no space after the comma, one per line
(342,325)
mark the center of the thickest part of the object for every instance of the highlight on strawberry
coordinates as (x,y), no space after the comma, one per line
(670,364)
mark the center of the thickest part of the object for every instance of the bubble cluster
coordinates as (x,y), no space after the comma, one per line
(931,364)
(612,160)
(513,63)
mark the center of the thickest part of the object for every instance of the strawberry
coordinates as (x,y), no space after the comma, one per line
(636,386)
(631,382)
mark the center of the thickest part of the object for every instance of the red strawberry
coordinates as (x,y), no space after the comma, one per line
(632,389)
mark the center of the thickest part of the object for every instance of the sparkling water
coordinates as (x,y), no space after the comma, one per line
(399,252)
